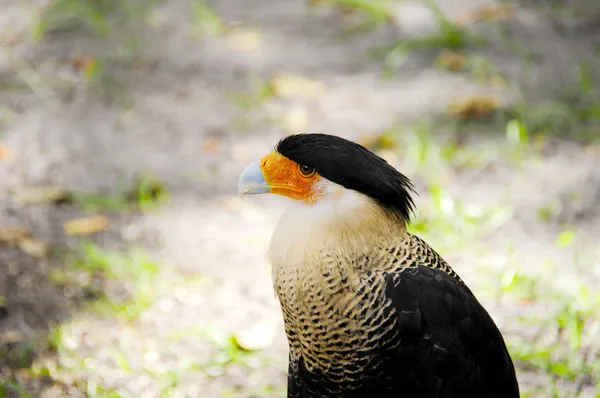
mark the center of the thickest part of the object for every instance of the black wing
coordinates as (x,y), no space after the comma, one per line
(450,346)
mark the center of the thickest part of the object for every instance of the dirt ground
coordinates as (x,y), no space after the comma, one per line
(186,110)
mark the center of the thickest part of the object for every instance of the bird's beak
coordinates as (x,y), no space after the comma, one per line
(252,181)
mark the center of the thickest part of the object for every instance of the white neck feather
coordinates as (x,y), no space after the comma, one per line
(338,220)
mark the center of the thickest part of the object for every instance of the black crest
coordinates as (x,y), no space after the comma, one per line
(353,166)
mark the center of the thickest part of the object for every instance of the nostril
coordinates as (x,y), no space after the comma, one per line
(264,163)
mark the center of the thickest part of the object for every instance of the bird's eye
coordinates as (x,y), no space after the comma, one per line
(306,171)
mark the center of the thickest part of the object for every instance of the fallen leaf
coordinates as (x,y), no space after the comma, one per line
(13,235)
(348,11)
(35,248)
(245,40)
(85,225)
(257,337)
(489,13)
(39,194)
(6,154)
(86,65)
(289,85)
(10,37)
(212,144)
(477,107)
(82,63)
(593,151)
(451,60)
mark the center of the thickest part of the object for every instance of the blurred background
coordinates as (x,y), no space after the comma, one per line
(129,267)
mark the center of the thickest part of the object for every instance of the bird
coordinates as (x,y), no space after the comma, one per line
(369,309)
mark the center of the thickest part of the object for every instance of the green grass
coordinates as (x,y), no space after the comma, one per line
(443,217)
(90,267)
(572,113)
(92,17)
(568,327)
(207,20)
(568,335)
(227,352)
(101,24)
(116,286)
(131,284)
(73,368)
(449,35)
(146,193)
(10,388)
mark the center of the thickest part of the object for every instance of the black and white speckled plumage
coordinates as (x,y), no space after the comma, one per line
(369,309)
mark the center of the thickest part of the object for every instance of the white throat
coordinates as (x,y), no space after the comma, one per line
(306,228)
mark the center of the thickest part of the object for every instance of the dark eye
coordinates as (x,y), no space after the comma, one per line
(306,171)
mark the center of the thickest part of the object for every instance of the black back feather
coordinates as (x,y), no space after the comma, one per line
(353,166)
(450,347)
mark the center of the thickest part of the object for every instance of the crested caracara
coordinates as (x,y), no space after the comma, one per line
(369,309)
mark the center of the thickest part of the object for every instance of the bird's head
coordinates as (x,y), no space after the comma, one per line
(320,170)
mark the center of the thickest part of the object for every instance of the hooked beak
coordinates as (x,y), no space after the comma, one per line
(252,181)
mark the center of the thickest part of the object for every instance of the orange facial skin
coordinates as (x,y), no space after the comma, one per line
(285,178)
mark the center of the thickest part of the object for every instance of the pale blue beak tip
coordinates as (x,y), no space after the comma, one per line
(252,181)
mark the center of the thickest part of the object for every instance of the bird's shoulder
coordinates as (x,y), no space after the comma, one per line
(398,254)
(442,326)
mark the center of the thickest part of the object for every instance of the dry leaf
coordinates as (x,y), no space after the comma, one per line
(451,60)
(12,337)
(489,13)
(245,40)
(6,154)
(83,64)
(289,85)
(13,235)
(593,151)
(258,337)
(35,248)
(474,108)
(212,144)
(348,11)
(39,194)
(85,225)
